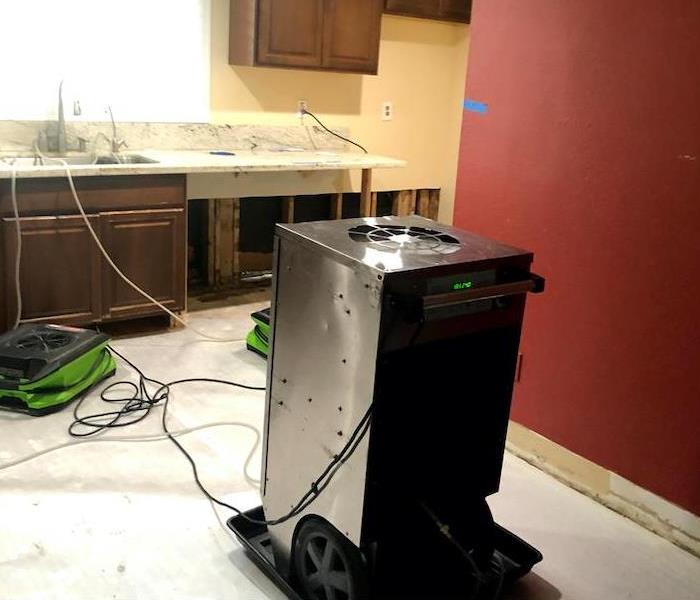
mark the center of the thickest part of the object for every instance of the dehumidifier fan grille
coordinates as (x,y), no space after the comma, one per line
(419,240)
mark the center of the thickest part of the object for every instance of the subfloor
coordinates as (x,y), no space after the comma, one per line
(125,520)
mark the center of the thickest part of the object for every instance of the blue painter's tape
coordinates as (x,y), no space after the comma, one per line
(478,107)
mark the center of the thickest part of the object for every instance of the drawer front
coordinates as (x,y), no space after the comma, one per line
(52,196)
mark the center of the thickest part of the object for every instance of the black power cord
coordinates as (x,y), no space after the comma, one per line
(315,118)
(136,402)
(140,401)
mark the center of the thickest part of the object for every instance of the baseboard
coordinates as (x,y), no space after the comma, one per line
(624,497)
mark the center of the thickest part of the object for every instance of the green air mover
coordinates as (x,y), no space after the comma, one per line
(45,367)
(258,339)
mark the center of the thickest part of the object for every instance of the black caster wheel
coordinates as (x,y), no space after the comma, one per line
(327,565)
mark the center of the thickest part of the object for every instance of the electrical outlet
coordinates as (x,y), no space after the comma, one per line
(302,105)
(388,111)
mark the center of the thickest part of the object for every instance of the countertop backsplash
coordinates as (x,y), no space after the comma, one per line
(18,136)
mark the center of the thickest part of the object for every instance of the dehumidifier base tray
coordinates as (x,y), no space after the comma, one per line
(517,555)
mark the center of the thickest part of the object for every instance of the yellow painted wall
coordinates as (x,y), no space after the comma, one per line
(422,70)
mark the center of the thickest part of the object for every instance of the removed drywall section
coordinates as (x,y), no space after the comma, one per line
(421,71)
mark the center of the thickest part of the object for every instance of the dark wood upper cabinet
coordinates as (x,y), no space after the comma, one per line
(444,10)
(414,8)
(333,35)
(351,35)
(456,10)
(290,33)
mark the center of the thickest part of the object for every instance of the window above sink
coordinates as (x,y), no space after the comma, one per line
(149,60)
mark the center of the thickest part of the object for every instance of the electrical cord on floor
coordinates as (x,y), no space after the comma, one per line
(149,438)
(349,141)
(309,498)
(134,403)
(140,401)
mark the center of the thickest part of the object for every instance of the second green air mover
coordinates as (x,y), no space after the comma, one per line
(258,339)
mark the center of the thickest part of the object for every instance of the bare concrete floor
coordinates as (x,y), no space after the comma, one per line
(125,521)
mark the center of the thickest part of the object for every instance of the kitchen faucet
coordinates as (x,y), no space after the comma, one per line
(61,133)
(116,143)
(47,139)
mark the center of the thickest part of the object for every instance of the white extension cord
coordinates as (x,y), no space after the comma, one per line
(104,252)
(252,481)
(18,255)
(149,438)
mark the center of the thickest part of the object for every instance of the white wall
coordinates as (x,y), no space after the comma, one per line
(149,59)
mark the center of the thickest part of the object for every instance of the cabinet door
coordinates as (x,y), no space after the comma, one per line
(149,248)
(456,10)
(414,8)
(290,33)
(351,35)
(59,271)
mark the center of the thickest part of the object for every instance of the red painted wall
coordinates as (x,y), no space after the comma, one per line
(589,155)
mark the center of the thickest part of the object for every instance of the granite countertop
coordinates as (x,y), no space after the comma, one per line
(201,161)
(185,148)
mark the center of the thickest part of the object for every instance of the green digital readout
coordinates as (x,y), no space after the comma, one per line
(460,281)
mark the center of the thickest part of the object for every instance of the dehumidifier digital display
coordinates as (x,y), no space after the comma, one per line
(463,281)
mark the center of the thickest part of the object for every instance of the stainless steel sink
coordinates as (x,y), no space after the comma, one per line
(76,160)
(125,159)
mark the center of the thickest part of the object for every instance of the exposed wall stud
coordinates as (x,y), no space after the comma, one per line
(366,197)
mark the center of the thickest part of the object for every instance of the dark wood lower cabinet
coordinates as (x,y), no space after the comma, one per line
(65,279)
(59,272)
(149,248)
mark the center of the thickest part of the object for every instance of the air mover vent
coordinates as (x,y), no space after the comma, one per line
(45,340)
(419,240)
(34,351)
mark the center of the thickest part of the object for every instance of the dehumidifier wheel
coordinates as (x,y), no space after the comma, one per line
(327,565)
